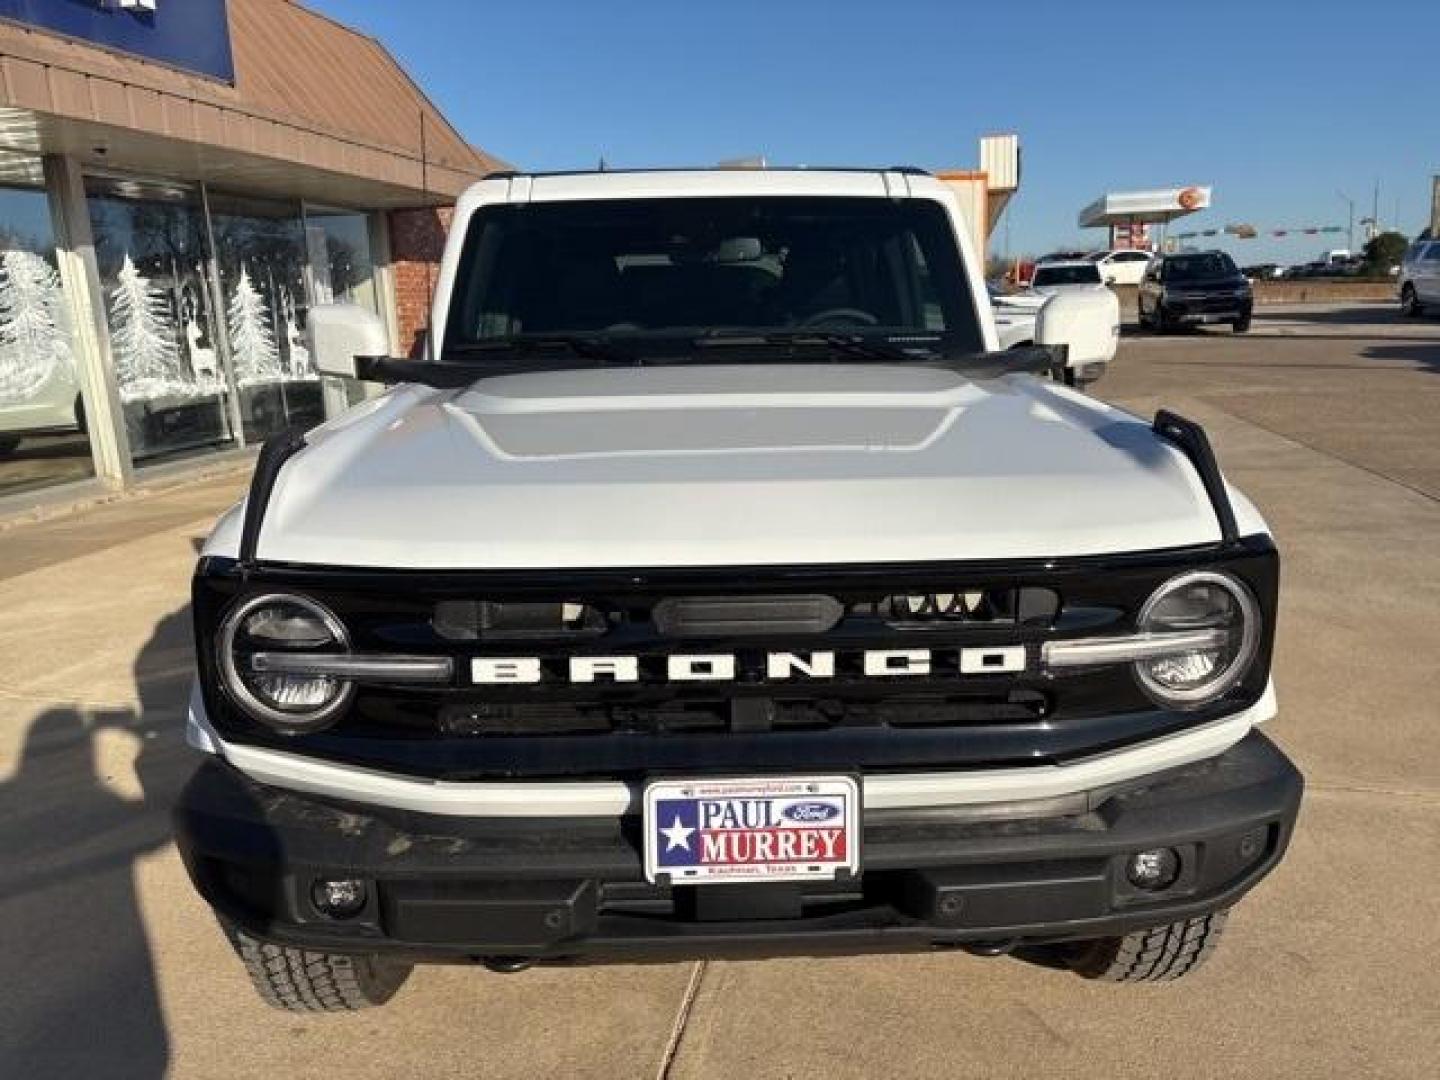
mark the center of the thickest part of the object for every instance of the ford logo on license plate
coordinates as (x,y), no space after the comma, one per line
(811,811)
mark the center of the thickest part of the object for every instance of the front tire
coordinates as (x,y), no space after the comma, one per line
(1161,954)
(299,980)
(8,443)
(1410,302)
(1241,326)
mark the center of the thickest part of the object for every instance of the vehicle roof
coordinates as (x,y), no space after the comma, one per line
(909,170)
(1053,263)
(1193,254)
(701,183)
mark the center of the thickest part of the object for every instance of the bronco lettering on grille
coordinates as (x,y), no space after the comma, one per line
(726,667)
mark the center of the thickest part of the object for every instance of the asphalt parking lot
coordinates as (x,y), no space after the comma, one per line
(1328,418)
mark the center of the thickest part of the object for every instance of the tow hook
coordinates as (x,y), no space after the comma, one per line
(990,948)
(507,965)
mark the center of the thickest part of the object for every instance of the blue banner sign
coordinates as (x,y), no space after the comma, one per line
(193,35)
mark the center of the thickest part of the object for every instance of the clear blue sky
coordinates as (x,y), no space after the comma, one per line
(1277,104)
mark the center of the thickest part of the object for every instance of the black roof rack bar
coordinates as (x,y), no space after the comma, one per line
(1190,437)
(909,170)
(277,450)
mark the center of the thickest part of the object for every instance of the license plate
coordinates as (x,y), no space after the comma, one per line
(759,829)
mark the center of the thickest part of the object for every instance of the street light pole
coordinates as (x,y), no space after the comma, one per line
(1350,241)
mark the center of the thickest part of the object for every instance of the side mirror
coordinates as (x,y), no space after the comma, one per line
(1109,279)
(338,333)
(1087,323)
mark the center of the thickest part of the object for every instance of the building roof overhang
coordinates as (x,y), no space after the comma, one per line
(316,110)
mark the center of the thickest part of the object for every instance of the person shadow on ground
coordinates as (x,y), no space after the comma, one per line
(78,992)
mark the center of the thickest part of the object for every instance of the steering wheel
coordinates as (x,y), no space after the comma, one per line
(845,316)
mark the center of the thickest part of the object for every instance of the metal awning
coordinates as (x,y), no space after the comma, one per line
(1143,207)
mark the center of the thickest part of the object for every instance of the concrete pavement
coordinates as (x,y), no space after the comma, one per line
(111,966)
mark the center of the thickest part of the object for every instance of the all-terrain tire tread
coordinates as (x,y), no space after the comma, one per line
(299,980)
(1161,954)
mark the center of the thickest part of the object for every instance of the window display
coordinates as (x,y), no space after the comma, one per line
(42,413)
(260,248)
(154,271)
(205,296)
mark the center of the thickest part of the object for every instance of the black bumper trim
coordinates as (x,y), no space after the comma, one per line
(448,889)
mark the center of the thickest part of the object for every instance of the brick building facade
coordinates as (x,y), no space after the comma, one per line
(417,240)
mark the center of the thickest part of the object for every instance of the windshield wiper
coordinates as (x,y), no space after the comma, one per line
(852,345)
(1046,360)
(580,345)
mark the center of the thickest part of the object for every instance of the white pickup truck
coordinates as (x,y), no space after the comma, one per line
(716,587)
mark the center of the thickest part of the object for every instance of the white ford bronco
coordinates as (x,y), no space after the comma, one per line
(714,586)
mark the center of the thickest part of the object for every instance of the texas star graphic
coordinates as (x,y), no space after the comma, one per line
(677,835)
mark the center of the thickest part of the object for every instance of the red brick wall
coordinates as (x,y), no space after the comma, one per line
(417,240)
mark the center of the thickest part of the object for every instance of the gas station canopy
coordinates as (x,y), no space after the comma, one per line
(1131,208)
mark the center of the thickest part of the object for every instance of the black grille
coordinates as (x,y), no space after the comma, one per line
(969,607)
(750,715)
(745,616)
(858,717)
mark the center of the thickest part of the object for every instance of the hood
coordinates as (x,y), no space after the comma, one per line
(1026,302)
(729,465)
(1044,292)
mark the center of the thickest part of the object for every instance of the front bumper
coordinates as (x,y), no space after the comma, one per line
(1210,309)
(461,889)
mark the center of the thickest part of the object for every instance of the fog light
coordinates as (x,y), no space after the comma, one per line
(1154,869)
(1253,843)
(339,899)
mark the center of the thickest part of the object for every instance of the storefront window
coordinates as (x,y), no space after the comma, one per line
(260,248)
(42,414)
(154,272)
(339,243)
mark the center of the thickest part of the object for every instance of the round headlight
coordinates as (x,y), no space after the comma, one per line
(1201,601)
(278,625)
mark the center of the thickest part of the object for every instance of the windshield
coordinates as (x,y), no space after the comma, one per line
(1200,267)
(1078,274)
(630,267)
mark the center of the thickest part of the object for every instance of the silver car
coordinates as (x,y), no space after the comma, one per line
(1420,277)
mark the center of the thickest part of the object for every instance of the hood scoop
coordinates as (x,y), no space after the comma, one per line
(711,409)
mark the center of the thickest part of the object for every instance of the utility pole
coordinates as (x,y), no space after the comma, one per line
(1375,212)
(1350,242)
(1434,206)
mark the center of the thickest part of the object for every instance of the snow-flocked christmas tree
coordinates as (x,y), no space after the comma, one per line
(147,358)
(252,341)
(34,336)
